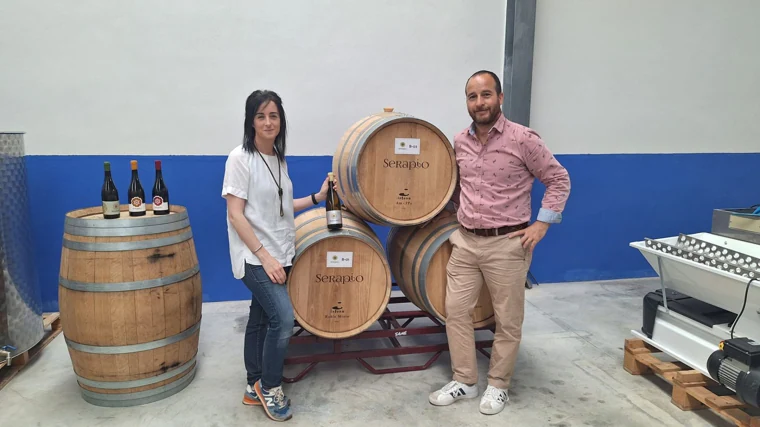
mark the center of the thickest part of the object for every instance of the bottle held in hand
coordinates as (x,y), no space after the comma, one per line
(333,206)
(109,195)
(160,193)
(136,194)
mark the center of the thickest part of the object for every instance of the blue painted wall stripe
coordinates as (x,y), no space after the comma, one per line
(615,199)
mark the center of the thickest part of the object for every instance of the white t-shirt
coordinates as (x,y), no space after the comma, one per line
(246,176)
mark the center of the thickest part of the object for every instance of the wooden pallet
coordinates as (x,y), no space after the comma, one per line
(691,389)
(51,320)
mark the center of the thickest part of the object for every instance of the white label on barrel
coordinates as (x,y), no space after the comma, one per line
(340,259)
(408,146)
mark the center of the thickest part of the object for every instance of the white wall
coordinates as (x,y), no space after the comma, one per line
(647,76)
(171,77)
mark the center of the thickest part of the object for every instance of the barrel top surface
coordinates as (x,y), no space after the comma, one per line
(93,217)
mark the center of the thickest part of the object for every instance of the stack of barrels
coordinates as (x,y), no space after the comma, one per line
(392,170)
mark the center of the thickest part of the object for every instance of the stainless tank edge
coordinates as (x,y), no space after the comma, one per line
(20,300)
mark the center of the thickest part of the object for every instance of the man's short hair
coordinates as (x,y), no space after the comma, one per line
(495,78)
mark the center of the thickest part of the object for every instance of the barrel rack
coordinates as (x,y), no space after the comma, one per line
(395,324)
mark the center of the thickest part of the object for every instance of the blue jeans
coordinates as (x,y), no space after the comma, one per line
(270,326)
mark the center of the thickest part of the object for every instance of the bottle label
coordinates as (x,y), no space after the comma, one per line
(111,208)
(159,205)
(136,205)
(334,217)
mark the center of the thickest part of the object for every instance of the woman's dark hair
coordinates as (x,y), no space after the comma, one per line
(252,105)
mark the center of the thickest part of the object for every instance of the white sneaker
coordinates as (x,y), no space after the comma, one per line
(452,392)
(493,400)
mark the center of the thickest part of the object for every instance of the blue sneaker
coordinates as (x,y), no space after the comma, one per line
(276,405)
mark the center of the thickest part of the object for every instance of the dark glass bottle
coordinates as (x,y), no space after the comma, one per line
(160,193)
(136,194)
(333,206)
(109,195)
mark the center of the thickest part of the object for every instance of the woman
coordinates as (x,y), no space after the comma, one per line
(261,231)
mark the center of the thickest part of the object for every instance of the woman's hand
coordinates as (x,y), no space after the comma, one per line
(322,195)
(273,268)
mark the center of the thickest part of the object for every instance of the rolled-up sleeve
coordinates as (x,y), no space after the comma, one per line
(236,176)
(547,169)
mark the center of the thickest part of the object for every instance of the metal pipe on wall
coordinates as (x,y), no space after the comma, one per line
(20,301)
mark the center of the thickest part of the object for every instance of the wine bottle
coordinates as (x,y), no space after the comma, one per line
(160,193)
(332,205)
(109,195)
(136,194)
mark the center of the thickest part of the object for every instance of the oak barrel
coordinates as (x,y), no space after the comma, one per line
(418,258)
(394,169)
(340,282)
(130,302)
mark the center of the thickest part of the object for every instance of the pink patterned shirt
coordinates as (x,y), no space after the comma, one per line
(495,179)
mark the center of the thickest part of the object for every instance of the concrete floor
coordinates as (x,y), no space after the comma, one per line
(569,373)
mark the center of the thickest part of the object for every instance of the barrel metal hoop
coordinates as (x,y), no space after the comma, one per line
(127,246)
(324,218)
(140,397)
(345,144)
(404,248)
(437,242)
(345,231)
(426,261)
(126,223)
(356,150)
(128,286)
(333,233)
(134,348)
(128,231)
(120,385)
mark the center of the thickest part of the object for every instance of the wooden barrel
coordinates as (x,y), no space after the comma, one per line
(394,169)
(418,258)
(130,302)
(340,282)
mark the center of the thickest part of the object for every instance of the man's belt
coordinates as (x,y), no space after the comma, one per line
(491,232)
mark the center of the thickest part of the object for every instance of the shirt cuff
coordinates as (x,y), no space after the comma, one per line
(546,215)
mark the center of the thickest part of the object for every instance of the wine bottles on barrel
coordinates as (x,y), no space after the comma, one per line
(332,205)
(136,194)
(109,195)
(160,193)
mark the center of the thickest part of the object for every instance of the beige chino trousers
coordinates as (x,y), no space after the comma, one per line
(502,264)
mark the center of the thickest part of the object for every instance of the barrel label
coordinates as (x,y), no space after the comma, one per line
(340,259)
(407,146)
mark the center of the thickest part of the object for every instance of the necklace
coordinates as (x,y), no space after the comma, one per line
(277,182)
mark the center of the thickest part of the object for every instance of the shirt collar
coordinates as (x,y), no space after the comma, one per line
(499,126)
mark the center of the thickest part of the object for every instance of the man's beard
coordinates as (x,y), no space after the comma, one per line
(492,116)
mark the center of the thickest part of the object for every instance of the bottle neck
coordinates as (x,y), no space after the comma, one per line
(134,173)
(108,174)
(159,174)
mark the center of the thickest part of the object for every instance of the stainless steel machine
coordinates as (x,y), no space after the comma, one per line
(20,303)
(707,312)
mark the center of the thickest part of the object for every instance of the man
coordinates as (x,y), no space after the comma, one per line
(497,161)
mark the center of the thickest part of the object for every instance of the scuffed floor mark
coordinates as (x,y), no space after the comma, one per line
(616,388)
